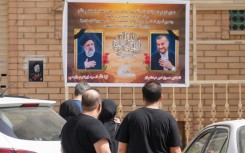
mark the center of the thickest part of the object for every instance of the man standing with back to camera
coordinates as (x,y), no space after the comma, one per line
(149,129)
(85,133)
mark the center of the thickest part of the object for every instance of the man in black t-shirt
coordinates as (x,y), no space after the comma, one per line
(149,129)
(85,133)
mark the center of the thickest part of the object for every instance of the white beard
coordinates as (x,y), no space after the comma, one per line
(89,53)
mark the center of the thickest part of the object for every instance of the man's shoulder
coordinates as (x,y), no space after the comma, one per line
(156,54)
(97,53)
(144,109)
(171,54)
(137,111)
(68,103)
(90,122)
(88,118)
(82,55)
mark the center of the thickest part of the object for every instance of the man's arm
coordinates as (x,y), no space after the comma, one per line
(175,150)
(102,146)
(122,147)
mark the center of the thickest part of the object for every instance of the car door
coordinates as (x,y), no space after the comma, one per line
(211,140)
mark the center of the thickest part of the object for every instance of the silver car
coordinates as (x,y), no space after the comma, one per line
(220,137)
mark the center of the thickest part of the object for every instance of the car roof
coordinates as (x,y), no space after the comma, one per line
(16,102)
(231,123)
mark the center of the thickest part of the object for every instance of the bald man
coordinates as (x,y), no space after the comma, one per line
(85,133)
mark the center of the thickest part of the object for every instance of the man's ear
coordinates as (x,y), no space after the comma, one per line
(161,98)
(99,108)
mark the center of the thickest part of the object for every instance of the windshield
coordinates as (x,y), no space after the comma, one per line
(31,123)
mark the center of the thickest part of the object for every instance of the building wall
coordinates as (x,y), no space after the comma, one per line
(35,32)
(3,44)
(217,68)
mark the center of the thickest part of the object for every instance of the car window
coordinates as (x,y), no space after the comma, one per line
(218,142)
(31,123)
(241,140)
(198,144)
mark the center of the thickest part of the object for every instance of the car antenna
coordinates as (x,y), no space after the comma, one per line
(2,94)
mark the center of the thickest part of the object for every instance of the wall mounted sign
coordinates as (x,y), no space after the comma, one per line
(126,43)
(35,71)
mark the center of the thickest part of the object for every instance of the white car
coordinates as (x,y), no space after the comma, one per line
(220,137)
(29,126)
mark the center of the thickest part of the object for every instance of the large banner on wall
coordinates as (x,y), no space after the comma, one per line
(126,43)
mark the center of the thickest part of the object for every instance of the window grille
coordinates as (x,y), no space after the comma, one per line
(237,20)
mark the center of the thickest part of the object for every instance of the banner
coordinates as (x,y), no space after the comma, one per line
(126,44)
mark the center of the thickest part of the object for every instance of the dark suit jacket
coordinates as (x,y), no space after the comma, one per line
(96,57)
(155,58)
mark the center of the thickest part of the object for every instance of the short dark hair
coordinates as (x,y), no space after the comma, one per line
(90,99)
(81,88)
(152,91)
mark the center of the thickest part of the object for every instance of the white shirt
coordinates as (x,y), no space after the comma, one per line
(165,58)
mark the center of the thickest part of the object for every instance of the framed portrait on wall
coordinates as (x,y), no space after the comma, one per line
(164,50)
(35,71)
(88,49)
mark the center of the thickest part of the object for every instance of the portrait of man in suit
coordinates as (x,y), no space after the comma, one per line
(162,54)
